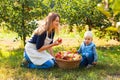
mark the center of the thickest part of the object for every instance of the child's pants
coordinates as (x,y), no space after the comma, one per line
(47,64)
(86,59)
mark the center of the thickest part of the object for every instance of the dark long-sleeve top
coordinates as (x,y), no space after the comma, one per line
(39,39)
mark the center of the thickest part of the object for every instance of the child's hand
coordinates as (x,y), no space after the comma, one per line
(94,63)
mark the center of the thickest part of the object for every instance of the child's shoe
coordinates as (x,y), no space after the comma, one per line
(89,66)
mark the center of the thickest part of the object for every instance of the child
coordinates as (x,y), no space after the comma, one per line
(88,51)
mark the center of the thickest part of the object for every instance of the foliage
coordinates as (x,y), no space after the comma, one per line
(112,13)
(115,7)
(81,12)
(17,14)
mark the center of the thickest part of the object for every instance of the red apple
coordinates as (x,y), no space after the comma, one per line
(58,55)
(60,40)
(70,58)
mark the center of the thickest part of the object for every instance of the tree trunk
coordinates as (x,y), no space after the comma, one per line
(118,36)
(89,22)
(106,5)
(70,28)
(90,27)
(23,25)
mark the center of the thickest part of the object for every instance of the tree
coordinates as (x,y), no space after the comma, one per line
(83,12)
(18,14)
(111,9)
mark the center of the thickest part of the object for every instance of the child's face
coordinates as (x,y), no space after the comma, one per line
(88,40)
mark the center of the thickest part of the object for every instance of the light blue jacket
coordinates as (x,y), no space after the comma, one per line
(89,49)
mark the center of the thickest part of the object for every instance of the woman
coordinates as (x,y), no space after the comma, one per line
(36,55)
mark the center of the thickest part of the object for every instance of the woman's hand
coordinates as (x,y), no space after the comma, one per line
(57,42)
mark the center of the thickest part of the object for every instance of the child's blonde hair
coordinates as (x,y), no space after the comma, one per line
(88,33)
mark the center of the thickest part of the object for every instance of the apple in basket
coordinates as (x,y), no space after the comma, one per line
(74,50)
(61,55)
(76,57)
(58,55)
(66,55)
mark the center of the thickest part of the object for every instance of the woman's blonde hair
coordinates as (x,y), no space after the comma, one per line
(46,25)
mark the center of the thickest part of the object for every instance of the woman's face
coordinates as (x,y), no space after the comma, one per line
(55,23)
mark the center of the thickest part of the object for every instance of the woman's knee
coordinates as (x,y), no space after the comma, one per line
(46,65)
(50,63)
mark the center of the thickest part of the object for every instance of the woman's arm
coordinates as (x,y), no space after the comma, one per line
(51,51)
(45,47)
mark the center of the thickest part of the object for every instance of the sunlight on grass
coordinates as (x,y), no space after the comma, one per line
(9,34)
(5,54)
(2,73)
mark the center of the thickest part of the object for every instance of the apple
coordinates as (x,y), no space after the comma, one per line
(70,58)
(60,40)
(71,55)
(58,55)
(75,58)
(74,50)
(67,55)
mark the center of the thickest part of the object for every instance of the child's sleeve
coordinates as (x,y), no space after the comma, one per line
(95,54)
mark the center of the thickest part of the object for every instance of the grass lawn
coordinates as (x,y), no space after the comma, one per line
(11,55)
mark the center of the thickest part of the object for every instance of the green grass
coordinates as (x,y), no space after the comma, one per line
(106,69)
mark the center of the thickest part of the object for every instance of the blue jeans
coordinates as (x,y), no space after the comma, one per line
(47,64)
(87,59)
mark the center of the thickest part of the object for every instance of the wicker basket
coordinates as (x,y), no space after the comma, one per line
(66,64)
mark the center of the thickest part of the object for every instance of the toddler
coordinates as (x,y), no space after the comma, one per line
(88,51)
